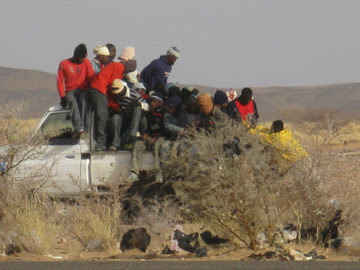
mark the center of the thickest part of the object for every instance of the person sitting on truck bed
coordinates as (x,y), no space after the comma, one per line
(244,107)
(172,128)
(124,104)
(73,78)
(112,50)
(100,89)
(101,59)
(211,116)
(152,137)
(221,101)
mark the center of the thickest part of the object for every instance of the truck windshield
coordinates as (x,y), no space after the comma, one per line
(58,129)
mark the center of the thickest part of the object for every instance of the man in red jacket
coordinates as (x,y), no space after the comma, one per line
(100,89)
(73,78)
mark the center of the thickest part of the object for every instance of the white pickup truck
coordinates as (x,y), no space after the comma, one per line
(74,166)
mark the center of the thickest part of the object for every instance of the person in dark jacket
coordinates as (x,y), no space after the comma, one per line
(189,115)
(244,107)
(155,75)
(172,128)
(152,132)
(174,91)
(221,100)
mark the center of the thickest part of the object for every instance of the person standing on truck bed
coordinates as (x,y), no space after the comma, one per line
(155,75)
(100,89)
(112,50)
(101,59)
(73,78)
(126,106)
(152,137)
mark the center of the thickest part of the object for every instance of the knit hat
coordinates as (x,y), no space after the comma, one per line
(184,95)
(206,103)
(101,50)
(220,98)
(174,101)
(158,96)
(138,85)
(120,87)
(175,51)
(131,77)
(128,53)
(174,90)
(80,51)
(189,87)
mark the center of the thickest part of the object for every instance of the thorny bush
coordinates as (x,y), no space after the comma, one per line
(243,194)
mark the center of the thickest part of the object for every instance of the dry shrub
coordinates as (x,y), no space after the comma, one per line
(158,217)
(94,218)
(245,195)
(34,228)
(26,219)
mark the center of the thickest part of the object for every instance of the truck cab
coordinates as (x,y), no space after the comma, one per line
(73,163)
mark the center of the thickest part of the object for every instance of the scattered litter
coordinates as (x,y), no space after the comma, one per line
(54,257)
(209,239)
(135,238)
(290,233)
(11,249)
(287,254)
(201,252)
(182,242)
(93,244)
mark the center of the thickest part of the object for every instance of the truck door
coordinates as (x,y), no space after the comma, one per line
(62,154)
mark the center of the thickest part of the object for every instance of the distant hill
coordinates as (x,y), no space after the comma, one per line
(38,90)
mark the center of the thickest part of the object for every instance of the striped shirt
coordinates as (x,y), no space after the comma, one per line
(128,102)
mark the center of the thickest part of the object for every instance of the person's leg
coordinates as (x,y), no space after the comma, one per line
(156,150)
(165,150)
(135,122)
(115,130)
(84,108)
(72,99)
(138,149)
(100,104)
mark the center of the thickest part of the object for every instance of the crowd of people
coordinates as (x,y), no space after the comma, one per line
(141,111)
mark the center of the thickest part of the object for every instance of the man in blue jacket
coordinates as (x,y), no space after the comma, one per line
(155,75)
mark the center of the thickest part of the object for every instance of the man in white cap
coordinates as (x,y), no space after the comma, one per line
(156,74)
(101,59)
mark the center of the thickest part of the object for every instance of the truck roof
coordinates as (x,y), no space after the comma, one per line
(57,108)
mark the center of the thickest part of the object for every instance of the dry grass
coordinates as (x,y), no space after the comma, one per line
(239,198)
(34,230)
(92,219)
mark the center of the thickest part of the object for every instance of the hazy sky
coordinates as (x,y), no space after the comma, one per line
(228,43)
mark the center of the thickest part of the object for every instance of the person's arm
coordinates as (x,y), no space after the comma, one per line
(256,113)
(170,126)
(145,73)
(60,80)
(90,72)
